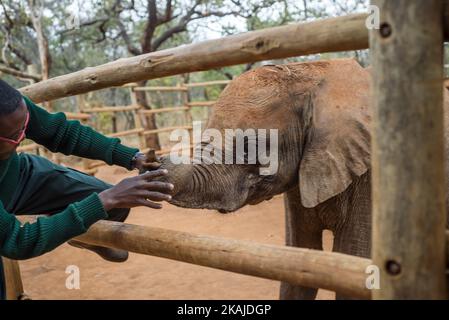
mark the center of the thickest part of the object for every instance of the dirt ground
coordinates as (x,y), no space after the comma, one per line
(146,277)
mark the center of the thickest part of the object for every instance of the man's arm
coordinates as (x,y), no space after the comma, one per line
(34,239)
(31,240)
(70,137)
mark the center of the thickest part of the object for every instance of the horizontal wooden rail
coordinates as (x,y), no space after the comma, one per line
(95,164)
(188,85)
(28,147)
(125,133)
(89,171)
(153,131)
(77,116)
(160,88)
(128,85)
(111,109)
(305,267)
(98,163)
(326,35)
(162,151)
(201,103)
(310,268)
(163,110)
(207,83)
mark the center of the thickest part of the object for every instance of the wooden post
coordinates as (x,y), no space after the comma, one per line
(14,285)
(408,163)
(188,112)
(81,103)
(137,119)
(33,71)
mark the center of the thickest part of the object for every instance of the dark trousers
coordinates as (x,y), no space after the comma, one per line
(48,188)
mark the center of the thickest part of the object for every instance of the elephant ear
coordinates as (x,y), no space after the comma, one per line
(337,149)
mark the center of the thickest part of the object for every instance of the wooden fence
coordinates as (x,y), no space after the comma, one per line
(138,113)
(409,240)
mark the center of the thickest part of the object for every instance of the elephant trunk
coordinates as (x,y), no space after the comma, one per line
(205,186)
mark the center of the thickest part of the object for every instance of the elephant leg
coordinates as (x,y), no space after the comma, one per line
(303,229)
(353,239)
(352,234)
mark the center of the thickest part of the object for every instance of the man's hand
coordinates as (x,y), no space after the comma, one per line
(146,162)
(137,191)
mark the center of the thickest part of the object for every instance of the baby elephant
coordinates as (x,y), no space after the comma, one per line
(322,113)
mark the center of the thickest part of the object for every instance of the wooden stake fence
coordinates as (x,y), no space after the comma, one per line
(91,166)
(138,112)
(409,241)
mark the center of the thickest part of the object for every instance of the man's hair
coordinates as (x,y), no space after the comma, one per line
(10,98)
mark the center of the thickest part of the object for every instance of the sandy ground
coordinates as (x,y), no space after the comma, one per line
(146,277)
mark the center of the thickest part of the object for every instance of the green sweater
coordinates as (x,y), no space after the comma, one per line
(58,134)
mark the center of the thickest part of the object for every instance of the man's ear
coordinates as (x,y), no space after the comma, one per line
(338,147)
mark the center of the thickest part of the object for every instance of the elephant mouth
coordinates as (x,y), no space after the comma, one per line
(257,201)
(224,211)
(246,202)
(200,205)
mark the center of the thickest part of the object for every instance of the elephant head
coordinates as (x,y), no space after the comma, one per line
(321,111)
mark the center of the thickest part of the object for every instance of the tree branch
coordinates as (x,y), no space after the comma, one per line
(20,54)
(168,10)
(19,74)
(42,41)
(306,11)
(8,18)
(168,14)
(86,24)
(7,28)
(131,48)
(179,27)
(150,26)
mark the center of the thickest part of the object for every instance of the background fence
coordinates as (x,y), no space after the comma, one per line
(93,114)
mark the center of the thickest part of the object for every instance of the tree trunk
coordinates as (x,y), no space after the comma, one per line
(408,151)
(36,9)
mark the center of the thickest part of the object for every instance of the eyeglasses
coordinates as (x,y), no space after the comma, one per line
(21,133)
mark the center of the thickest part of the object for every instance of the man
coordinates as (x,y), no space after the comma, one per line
(71,200)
